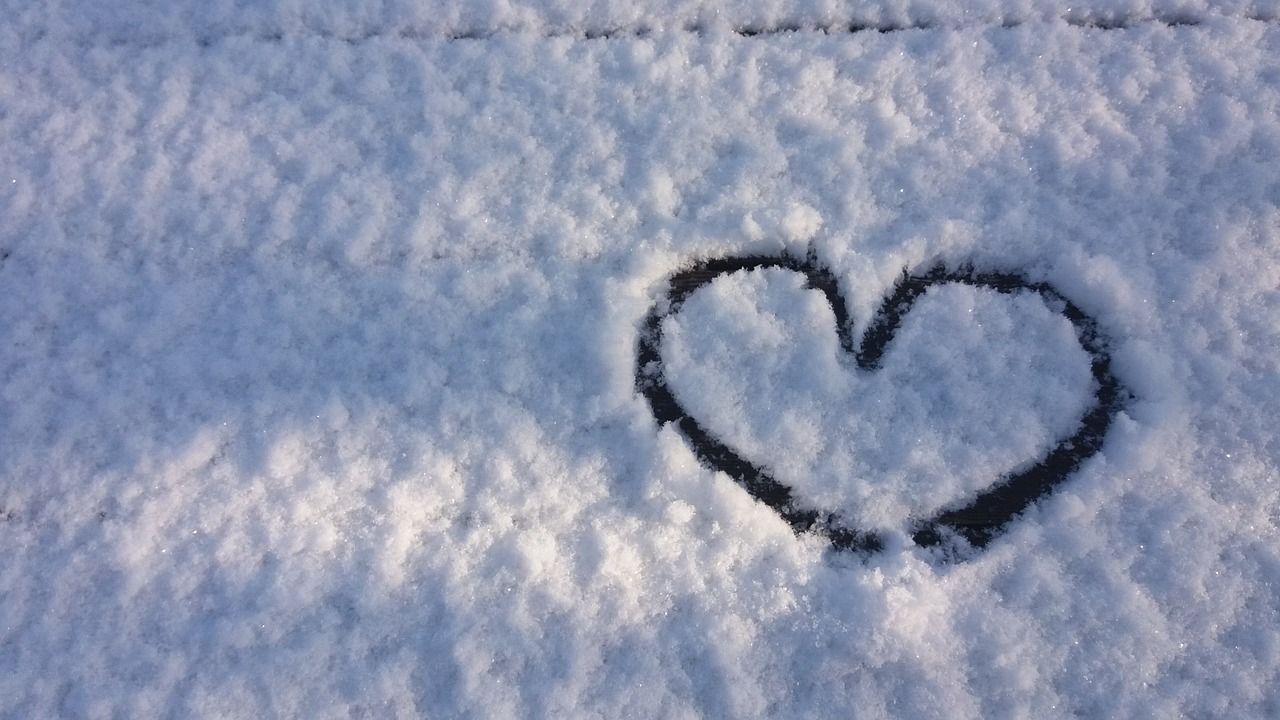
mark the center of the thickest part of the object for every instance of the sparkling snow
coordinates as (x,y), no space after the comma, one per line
(317,357)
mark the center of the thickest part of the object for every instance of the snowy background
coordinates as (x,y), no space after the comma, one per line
(317,357)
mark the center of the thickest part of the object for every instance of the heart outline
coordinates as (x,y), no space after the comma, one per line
(977,523)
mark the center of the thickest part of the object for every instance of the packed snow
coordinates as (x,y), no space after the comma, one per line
(317,363)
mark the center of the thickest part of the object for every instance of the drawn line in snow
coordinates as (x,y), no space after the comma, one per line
(976,523)
(1100,22)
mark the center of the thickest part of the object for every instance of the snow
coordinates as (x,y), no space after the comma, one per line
(317,359)
(924,433)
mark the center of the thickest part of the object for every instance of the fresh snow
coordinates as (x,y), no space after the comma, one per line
(318,355)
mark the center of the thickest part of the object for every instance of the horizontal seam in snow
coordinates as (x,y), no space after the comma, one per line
(745,31)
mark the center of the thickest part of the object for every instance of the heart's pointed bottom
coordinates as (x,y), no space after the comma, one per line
(856,542)
(937,535)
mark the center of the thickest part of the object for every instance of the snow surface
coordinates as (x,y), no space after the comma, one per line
(932,429)
(317,359)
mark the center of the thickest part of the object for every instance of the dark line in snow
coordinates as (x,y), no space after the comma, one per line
(853,28)
(745,31)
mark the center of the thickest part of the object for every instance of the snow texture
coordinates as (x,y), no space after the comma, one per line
(937,425)
(317,359)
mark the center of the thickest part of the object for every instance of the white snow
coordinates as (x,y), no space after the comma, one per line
(317,357)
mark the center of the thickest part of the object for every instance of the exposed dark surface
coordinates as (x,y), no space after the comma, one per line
(976,523)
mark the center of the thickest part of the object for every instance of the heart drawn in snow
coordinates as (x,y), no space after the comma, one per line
(975,522)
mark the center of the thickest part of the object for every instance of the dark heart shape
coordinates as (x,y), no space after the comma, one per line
(978,522)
